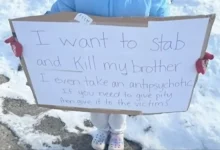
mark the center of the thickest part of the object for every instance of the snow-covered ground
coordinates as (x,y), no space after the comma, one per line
(198,128)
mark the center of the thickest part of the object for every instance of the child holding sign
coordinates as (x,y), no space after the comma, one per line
(112,125)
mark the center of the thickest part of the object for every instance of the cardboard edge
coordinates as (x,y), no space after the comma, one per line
(22,60)
(95,110)
(204,48)
(99,20)
(168,112)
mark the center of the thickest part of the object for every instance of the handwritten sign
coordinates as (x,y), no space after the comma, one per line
(150,69)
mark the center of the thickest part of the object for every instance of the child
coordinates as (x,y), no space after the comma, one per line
(112,125)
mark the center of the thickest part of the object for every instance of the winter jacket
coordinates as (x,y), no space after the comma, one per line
(113,8)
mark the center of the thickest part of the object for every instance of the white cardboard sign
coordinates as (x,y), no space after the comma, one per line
(147,69)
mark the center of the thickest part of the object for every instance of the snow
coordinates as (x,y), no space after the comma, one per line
(198,128)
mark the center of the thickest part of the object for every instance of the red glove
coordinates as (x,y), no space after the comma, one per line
(201,64)
(16,46)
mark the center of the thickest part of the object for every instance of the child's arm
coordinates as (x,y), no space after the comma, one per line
(62,6)
(160,8)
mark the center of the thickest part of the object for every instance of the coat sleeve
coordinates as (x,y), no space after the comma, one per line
(160,8)
(62,6)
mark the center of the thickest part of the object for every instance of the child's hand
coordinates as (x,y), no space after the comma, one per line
(15,45)
(202,63)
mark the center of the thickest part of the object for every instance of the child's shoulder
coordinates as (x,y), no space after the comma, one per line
(114,7)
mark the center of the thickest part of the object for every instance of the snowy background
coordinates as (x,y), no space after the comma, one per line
(199,128)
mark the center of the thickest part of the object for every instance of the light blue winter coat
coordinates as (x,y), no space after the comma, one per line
(113,8)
